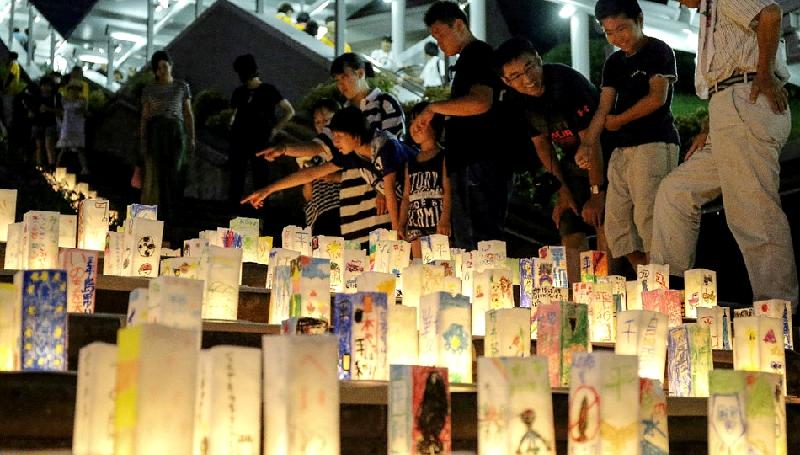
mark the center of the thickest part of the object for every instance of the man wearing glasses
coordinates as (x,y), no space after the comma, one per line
(559,104)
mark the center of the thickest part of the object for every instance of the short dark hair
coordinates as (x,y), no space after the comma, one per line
(285,8)
(512,50)
(312,27)
(157,57)
(444,12)
(386,38)
(329,104)
(604,9)
(437,122)
(302,18)
(352,121)
(13,55)
(246,67)
(431,49)
(354,62)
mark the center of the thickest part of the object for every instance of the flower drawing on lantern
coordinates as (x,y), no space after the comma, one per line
(455,338)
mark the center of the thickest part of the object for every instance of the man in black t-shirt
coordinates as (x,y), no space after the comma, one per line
(259,111)
(559,103)
(479,176)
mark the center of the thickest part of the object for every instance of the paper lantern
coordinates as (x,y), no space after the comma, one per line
(603,415)
(212,237)
(248,229)
(8,210)
(368,337)
(689,354)
(618,290)
(264,247)
(14,246)
(92,224)
(94,405)
(10,323)
(374,237)
(304,326)
(81,268)
(403,338)
(41,240)
(594,264)
(220,269)
(665,301)
(60,174)
(652,277)
(43,316)
(526,282)
(331,248)
(138,302)
(557,256)
(781,309)
(228,238)
(391,256)
(281,296)
(419,410)
(377,282)
(355,263)
(342,324)
(633,295)
(644,334)
(155,389)
(311,283)
(491,254)
(457,256)
(148,212)
(143,245)
(176,302)
(434,247)
(468,262)
(82,188)
(113,253)
(68,231)
(444,334)
(743,313)
(757,345)
(508,333)
(563,330)
(700,290)
(515,406)
(653,429)
(183,267)
(278,257)
(545,296)
(229,401)
(746,413)
(70,180)
(491,290)
(602,314)
(421,279)
(296,239)
(581,292)
(301,395)
(718,321)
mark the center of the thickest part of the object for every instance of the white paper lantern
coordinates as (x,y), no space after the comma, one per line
(644,334)
(666,301)
(594,264)
(311,283)
(138,303)
(175,302)
(491,290)
(264,247)
(278,257)
(67,231)
(8,210)
(368,337)
(653,431)
(331,248)
(689,350)
(633,295)
(248,229)
(781,309)
(15,246)
(93,431)
(419,410)
(377,282)
(602,314)
(10,324)
(700,290)
(143,247)
(296,239)
(563,330)
(718,321)
(434,247)
(652,277)
(92,224)
(444,334)
(41,240)
(402,336)
(220,269)
(557,257)
(757,345)
(281,296)
(374,237)
(391,256)
(81,268)
(508,333)
(355,263)
(183,267)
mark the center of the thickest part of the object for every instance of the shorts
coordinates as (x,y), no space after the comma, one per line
(41,132)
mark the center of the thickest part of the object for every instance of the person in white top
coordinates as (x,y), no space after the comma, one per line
(433,72)
(383,57)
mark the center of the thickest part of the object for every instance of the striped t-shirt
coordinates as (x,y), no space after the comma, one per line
(166,100)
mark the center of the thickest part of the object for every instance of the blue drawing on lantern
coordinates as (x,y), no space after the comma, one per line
(44,320)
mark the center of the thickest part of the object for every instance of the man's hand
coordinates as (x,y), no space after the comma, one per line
(443,227)
(593,209)
(613,123)
(426,115)
(564,201)
(380,204)
(272,153)
(697,143)
(769,86)
(583,157)
(256,199)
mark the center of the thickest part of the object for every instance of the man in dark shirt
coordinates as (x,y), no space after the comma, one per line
(479,177)
(559,103)
(259,111)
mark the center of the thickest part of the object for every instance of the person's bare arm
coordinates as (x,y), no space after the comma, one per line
(564,200)
(188,122)
(304,150)
(768,33)
(405,203)
(655,98)
(391,200)
(592,211)
(444,226)
(591,135)
(476,102)
(256,199)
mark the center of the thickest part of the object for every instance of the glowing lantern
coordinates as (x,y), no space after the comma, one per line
(138,301)
(368,336)
(67,231)
(515,406)
(220,269)
(718,321)
(377,282)
(633,295)
(556,256)
(374,237)
(113,255)
(41,240)
(43,310)
(355,263)
(603,416)
(278,257)
(175,302)
(746,413)
(444,334)
(154,411)
(311,283)
(300,387)
(391,256)
(700,290)
(9,328)
(15,247)
(468,262)
(94,404)
(92,224)
(304,326)
(281,296)
(652,277)
(331,248)
(342,324)
(402,339)
(148,212)
(264,247)
(602,314)
(653,431)
(665,301)
(421,279)
(508,333)
(419,410)
(81,268)
(491,290)
(70,181)
(296,239)
(59,174)
(594,264)
(248,229)
(757,345)
(618,290)
(434,247)
(183,267)
(143,245)
(563,331)
(644,334)
(581,292)
(545,296)
(689,351)
(781,309)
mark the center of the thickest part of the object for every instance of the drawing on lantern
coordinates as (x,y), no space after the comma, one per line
(532,442)
(728,423)
(584,414)
(432,415)
(146,246)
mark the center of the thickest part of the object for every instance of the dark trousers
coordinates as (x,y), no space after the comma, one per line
(239,158)
(479,203)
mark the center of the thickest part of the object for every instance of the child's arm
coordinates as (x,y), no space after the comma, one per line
(590,138)
(405,203)
(564,200)
(305,150)
(391,200)
(256,199)
(655,98)
(443,227)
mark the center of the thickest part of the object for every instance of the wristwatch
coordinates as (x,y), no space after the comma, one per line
(595,189)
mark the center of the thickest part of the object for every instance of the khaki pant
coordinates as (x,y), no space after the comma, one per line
(633,177)
(743,166)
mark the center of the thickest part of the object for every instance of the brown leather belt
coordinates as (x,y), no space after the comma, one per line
(741,78)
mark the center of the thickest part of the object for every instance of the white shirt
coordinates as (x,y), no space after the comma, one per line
(433,72)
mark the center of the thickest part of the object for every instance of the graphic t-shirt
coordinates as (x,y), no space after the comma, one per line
(388,156)
(630,76)
(425,193)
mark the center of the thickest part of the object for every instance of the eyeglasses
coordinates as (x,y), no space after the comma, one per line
(528,69)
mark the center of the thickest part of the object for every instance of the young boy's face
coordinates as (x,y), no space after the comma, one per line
(524,74)
(347,82)
(322,117)
(623,32)
(345,142)
(420,131)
